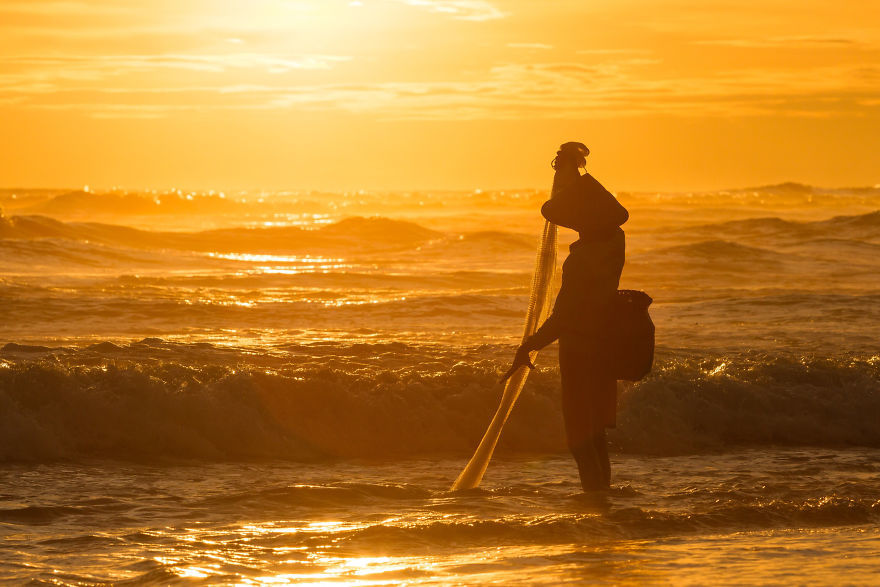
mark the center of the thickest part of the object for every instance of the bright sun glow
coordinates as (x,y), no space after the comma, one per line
(346,95)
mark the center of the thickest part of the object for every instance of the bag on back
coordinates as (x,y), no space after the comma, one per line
(633,335)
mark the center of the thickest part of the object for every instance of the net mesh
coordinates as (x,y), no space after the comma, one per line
(539,308)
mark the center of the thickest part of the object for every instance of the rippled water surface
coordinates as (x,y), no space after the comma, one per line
(762,516)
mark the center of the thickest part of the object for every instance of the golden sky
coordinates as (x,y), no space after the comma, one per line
(339,94)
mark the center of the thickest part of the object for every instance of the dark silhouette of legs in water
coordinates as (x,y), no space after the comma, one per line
(589,467)
(601,446)
(594,467)
(589,402)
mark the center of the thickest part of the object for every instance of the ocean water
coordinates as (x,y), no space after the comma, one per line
(281,387)
(748,516)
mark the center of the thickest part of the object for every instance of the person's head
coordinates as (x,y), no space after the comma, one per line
(571,154)
(579,201)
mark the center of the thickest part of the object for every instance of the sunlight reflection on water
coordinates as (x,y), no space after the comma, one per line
(761,516)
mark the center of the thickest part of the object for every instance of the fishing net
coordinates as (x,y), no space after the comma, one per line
(539,307)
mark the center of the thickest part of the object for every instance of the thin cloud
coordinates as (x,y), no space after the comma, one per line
(69,8)
(102,66)
(475,10)
(515,91)
(563,90)
(542,46)
(779,42)
(610,51)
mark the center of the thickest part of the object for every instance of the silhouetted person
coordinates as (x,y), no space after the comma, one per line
(581,315)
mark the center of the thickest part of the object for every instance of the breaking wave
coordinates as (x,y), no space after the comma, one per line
(377,406)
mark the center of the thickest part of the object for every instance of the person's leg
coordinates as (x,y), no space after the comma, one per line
(589,465)
(603,389)
(581,418)
(589,446)
(601,447)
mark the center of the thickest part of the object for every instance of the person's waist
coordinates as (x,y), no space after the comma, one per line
(592,309)
(586,325)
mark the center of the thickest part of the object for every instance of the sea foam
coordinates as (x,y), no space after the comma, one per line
(90,405)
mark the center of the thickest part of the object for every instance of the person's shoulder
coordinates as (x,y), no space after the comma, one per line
(591,183)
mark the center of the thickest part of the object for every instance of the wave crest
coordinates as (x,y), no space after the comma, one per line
(155,410)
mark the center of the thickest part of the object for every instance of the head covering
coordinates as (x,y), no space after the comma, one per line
(579,201)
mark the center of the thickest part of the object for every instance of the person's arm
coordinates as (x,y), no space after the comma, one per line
(546,334)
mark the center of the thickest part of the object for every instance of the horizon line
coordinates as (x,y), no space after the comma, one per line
(88,188)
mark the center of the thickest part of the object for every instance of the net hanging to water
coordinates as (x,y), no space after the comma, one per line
(539,307)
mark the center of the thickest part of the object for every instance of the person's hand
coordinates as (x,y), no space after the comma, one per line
(520,359)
